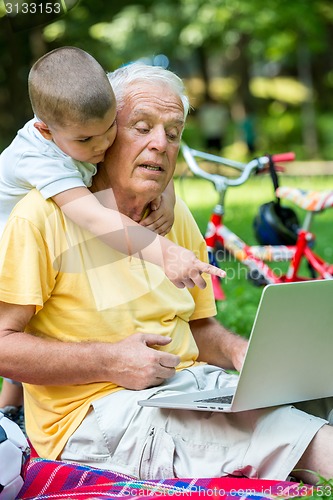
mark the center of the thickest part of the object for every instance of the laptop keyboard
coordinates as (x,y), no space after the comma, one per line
(219,399)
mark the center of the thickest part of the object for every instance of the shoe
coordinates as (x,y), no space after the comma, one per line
(16,414)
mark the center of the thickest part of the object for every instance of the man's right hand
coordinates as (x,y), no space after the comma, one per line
(132,363)
(137,365)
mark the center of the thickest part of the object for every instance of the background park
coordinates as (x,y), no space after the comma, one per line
(267,65)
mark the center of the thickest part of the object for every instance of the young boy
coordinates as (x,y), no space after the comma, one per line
(57,152)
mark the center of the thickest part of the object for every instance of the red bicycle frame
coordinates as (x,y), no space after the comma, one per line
(254,257)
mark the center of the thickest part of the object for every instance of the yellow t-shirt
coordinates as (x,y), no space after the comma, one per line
(84,290)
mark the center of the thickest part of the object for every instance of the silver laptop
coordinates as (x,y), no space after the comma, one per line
(289,355)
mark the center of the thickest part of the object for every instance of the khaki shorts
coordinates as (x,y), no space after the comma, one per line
(150,443)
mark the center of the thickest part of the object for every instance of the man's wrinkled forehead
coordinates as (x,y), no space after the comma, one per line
(145,113)
(147,98)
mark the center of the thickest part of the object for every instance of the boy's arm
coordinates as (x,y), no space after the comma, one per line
(120,232)
(162,217)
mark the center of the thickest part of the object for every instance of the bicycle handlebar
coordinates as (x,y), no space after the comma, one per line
(283,157)
(221,182)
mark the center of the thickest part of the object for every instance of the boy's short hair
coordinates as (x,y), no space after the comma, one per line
(67,85)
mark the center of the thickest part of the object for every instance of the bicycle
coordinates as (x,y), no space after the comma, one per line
(254,257)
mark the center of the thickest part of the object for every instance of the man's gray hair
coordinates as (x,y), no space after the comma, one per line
(122,77)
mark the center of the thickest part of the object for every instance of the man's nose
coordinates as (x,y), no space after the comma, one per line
(158,139)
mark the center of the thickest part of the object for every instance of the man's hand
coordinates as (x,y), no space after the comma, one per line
(217,345)
(238,352)
(132,363)
(137,365)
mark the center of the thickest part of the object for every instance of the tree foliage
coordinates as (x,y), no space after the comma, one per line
(234,39)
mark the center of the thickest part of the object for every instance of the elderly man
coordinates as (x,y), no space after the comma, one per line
(90,332)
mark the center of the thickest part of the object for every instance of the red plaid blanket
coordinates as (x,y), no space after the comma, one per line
(55,480)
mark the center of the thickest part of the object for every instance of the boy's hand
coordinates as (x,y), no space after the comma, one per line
(161,218)
(184,269)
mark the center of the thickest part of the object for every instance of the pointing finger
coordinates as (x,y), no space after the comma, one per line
(210,269)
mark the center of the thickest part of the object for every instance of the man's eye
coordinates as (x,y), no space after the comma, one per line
(142,126)
(173,136)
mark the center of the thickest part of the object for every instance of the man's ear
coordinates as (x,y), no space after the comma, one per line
(44,130)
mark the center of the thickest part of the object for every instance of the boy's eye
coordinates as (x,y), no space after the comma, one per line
(86,139)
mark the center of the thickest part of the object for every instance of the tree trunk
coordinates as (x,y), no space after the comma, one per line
(309,129)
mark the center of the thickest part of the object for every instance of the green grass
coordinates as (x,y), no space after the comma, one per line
(237,312)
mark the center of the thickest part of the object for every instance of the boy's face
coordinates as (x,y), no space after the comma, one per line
(87,141)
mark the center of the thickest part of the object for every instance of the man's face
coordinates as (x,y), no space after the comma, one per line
(144,154)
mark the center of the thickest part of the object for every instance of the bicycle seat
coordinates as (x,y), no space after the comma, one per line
(313,201)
